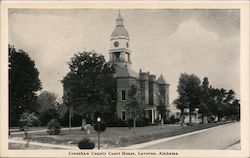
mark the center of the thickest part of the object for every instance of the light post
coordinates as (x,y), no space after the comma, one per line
(98,122)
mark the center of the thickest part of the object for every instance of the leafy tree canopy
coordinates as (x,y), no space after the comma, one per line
(189,92)
(48,106)
(209,101)
(89,85)
(133,107)
(23,84)
(47,100)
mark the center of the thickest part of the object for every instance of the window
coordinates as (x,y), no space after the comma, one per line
(123,115)
(123,95)
(116,43)
(116,56)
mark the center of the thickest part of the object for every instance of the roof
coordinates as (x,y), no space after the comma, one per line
(120,50)
(161,80)
(119,17)
(119,29)
(125,72)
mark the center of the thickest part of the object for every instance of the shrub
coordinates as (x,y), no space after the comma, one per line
(54,127)
(116,122)
(172,119)
(102,126)
(140,122)
(177,120)
(48,114)
(28,119)
(157,121)
(166,121)
(85,143)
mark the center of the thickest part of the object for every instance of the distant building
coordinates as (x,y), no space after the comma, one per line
(151,89)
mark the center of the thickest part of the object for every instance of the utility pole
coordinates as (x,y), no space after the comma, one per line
(99,122)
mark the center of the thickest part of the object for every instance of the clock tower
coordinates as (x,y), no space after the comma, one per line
(119,52)
(151,91)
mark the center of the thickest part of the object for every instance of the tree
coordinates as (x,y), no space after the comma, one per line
(162,110)
(213,101)
(48,107)
(204,99)
(162,107)
(28,120)
(235,109)
(189,93)
(220,103)
(223,103)
(134,108)
(47,100)
(230,96)
(181,103)
(23,85)
(89,86)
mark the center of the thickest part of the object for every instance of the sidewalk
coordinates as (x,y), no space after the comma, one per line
(44,130)
(44,144)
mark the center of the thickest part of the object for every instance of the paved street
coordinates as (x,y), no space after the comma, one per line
(222,137)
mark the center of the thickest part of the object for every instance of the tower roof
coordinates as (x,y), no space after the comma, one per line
(119,29)
(161,80)
(125,72)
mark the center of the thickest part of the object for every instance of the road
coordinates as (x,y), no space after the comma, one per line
(221,137)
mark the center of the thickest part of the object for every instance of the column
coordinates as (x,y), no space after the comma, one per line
(156,114)
(152,111)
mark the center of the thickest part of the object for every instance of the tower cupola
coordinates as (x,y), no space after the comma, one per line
(119,52)
(119,29)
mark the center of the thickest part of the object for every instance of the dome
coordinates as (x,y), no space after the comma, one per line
(119,29)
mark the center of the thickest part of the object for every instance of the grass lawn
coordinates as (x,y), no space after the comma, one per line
(117,136)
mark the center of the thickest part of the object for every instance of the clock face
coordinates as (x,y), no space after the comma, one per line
(116,43)
(127,44)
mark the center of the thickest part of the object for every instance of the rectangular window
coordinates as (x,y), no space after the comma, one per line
(123,115)
(123,95)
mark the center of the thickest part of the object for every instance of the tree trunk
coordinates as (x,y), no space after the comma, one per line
(202,118)
(190,117)
(182,119)
(134,124)
(129,125)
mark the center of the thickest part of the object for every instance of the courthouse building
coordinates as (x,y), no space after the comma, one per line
(152,89)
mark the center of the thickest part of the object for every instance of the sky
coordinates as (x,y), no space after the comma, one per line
(163,41)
